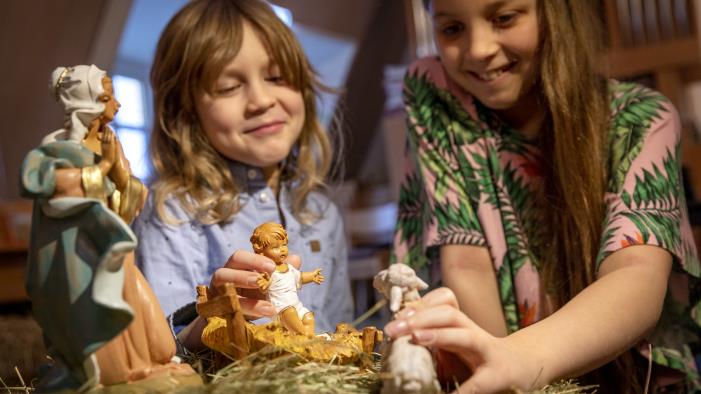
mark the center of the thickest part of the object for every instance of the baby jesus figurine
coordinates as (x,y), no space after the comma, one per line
(270,240)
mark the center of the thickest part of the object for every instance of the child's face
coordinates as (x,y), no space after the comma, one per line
(276,251)
(252,116)
(489,47)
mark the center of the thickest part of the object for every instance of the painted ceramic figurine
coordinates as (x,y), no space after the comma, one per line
(101,321)
(270,240)
(406,367)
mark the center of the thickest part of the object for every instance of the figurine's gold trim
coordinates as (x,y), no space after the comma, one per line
(65,71)
(131,199)
(93,182)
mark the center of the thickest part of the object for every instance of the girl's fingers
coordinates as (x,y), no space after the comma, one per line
(440,296)
(461,341)
(240,278)
(245,260)
(441,316)
(256,308)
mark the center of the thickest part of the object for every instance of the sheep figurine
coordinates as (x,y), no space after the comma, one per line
(399,284)
(408,368)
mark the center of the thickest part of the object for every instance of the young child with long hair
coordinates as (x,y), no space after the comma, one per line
(549,199)
(236,143)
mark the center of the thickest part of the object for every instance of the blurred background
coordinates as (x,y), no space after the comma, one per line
(361,48)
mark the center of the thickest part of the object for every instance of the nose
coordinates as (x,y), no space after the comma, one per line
(260,97)
(482,43)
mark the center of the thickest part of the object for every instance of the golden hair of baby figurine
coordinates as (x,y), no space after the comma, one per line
(270,240)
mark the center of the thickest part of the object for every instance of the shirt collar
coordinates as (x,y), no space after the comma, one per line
(251,178)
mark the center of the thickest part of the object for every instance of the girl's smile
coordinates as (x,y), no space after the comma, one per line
(493,74)
(265,128)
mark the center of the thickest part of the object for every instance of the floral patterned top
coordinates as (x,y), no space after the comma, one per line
(472,181)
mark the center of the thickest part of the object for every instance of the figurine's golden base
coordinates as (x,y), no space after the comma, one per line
(345,346)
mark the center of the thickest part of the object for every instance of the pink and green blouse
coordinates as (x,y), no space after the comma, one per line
(472,181)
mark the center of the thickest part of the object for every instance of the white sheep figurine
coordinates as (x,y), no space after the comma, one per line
(408,368)
(399,284)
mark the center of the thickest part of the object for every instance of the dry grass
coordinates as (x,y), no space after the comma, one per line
(22,350)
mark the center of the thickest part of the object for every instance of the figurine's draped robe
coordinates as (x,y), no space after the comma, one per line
(75,275)
(80,254)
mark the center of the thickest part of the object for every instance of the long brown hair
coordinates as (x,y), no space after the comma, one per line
(574,145)
(196,45)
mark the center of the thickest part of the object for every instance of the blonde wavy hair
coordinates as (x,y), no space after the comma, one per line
(196,45)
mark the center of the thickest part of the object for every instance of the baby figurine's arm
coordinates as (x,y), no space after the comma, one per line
(263,282)
(312,276)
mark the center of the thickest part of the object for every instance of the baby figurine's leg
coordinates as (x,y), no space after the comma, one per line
(308,322)
(290,320)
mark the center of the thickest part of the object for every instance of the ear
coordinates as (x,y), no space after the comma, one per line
(420,284)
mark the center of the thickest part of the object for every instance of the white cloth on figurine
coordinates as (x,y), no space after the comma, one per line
(283,290)
(79,99)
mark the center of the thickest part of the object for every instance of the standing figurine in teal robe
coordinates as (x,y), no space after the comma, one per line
(101,321)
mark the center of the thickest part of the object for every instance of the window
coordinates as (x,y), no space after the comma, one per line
(130,124)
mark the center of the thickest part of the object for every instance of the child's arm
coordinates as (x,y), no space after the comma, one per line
(468,271)
(312,276)
(605,319)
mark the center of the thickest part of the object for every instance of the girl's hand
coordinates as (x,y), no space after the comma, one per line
(465,352)
(243,269)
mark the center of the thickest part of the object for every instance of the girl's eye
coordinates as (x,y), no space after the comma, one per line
(276,79)
(227,89)
(452,29)
(504,20)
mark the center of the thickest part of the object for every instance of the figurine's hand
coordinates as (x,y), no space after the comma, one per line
(317,277)
(108,151)
(121,171)
(263,282)
(243,270)
(465,353)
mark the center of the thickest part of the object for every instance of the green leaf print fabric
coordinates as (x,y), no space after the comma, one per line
(471,180)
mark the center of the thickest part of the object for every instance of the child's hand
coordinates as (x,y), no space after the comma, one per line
(243,269)
(463,348)
(317,277)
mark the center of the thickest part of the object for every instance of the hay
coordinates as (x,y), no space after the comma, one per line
(291,373)
(263,372)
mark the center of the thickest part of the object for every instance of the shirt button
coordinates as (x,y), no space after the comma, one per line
(263,197)
(252,174)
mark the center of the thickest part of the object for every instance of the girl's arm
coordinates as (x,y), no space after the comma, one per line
(604,320)
(469,272)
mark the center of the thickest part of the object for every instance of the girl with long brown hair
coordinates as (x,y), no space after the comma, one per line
(236,143)
(549,200)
